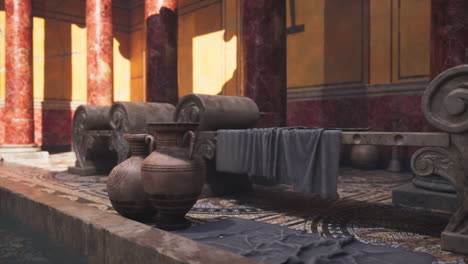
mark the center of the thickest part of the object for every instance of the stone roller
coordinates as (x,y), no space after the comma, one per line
(215,112)
(88,118)
(131,118)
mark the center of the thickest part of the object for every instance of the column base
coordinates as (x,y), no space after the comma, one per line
(12,153)
(408,195)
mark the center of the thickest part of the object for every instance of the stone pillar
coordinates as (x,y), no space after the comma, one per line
(264,58)
(99,52)
(19,115)
(449,35)
(161,51)
(449,48)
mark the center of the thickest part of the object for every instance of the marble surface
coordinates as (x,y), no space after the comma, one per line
(52,132)
(449,35)
(363,112)
(364,209)
(161,51)
(47,131)
(19,122)
(99,52)
(373,112)
(264,58)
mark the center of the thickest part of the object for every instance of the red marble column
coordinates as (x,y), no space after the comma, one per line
(161,51)
(99,52)
(449,35)
(264,58)
(19,116)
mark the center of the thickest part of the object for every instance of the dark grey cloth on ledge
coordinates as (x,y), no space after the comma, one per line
(307,159)
(276,244)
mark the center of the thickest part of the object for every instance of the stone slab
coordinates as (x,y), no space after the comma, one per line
(11,153)
(89,171)
(408,195)
(455,242)
(12,157)
(19,148)
(421,139)
(100,236)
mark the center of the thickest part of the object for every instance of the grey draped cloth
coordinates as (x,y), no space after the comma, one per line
(306,158)
(277,244)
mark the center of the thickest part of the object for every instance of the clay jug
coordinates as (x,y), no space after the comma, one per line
(124,182)
(173,175)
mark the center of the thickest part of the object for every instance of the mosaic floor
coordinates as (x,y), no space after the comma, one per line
(364,209)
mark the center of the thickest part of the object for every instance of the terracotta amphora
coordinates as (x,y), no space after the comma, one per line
(124,182)
(173,175)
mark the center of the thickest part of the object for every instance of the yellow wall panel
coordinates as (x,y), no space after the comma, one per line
(38,57)
(137,17)
(58,42)
(184,52)
(137,67)
(305,60)
(412,43)
(344,42)
(380,41)
(207,48)
(79,80)
(232,76)
(137,48)
(121,67)
(208,74)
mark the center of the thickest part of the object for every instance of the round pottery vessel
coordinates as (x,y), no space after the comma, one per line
(124,182)
(173,175)
(365,156)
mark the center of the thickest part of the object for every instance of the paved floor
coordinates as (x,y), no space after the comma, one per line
(364,209)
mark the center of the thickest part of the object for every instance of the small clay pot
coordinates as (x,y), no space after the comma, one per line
(173,175)
(365,157)
(124,186)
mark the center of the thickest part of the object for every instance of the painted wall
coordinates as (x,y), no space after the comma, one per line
(354,62)
(358,62)
(207,48)
(59,58)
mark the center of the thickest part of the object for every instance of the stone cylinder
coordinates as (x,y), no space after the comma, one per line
(99,52)
(161,51)
(215,112)
(264,58)
(132,118)
(19,114)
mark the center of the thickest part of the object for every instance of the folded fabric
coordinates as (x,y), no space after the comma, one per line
(308,159)
(277,244)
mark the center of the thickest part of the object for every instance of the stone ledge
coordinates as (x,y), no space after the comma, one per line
(100,236)
(408,195)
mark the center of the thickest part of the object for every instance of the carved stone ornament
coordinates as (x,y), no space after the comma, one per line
(444,102)
(91,134)
(131,118)
(445,106)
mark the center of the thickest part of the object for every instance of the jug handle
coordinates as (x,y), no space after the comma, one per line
(193,137)
(150,140)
